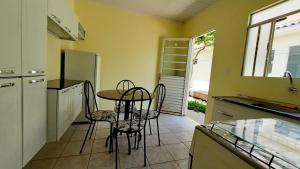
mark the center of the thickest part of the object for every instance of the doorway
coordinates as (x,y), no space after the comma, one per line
(200,72)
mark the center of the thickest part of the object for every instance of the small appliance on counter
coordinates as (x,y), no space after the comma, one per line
(254,143)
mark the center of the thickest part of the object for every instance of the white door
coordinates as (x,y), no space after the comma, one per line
(10,33)
(174,73)
(34,37)
(34,116)
(10,124)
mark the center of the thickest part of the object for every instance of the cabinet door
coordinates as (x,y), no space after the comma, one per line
(34,116)
(55,11)
(77,100)
(34,37)
(63,112)
(10,44)
(10,124)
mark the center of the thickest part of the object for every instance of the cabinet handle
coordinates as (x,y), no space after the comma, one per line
(65,91)
(36,81)
(225,114)
(8,71)
(36,71)
(56,18)
(7,85)
(69,30)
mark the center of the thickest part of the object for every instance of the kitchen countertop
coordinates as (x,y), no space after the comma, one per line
(274,141)
(262,105)
(59,84)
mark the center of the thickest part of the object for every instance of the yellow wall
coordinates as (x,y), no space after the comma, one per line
(229,18)
(127,42)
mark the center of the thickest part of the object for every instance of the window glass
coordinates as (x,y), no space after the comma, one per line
(286,42)
(275,11)
(250,51)
(262,49)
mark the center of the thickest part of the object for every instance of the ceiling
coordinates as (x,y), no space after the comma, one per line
(179,10)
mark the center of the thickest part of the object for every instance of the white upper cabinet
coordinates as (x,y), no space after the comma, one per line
(62,21)
(34,37)
(10,44)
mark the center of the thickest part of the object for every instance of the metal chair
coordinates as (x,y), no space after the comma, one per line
(97,115)
(123,86)
(159,95)
(133,125)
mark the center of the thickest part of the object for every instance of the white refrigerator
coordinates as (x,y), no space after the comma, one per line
(80,65)
(23,52)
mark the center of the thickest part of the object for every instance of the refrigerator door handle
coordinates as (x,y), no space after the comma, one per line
(7,71)
(7,85)
(36,71)
(36,81)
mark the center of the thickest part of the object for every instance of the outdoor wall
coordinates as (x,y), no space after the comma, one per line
(129,43)
(229,18)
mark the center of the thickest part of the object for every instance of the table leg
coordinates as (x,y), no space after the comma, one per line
(127,110)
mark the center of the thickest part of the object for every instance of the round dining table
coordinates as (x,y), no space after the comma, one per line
(117,94)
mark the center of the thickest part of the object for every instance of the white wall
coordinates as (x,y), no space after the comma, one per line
(202,70)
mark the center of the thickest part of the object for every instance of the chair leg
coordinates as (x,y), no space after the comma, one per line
(145,148)
(139,139)
(158,131)
(129,144)
(116,135)
(150,127)
(111,138)
(92,129)
(87,133)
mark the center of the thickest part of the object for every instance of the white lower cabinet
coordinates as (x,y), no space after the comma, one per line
(34,116)
(10,124)
(208,154)
(63,108)
(224,110)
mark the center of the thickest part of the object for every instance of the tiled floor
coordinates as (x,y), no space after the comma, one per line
(176,135)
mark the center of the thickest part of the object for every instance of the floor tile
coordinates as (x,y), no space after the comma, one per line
(168,165)
(51,150)
(183,164)
(158,155)
(134,160)
(73,162)
(169,139)
(73,148)
(41,164)
(102,161)
(79,135)
(99,146)
(68,134)
(178,151)
(188,144)
(184,136)
(102,133)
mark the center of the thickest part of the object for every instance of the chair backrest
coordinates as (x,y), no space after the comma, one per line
(143,99)
(159,95)
(88,109)
(125,85)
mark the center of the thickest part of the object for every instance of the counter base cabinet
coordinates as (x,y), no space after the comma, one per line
(63,108)
(224,110)
(34,116)
(10,124)
(209,154)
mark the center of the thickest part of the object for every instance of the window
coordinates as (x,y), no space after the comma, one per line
(272,41)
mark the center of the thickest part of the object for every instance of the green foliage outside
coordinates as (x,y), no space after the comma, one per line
(197,106)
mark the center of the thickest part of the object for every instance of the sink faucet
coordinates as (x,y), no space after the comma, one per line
(289,75)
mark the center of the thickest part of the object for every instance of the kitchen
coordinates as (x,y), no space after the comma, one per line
(116,36)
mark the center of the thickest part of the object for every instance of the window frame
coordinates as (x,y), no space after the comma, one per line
(271,36)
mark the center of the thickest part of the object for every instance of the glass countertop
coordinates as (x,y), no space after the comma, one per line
(274,142)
